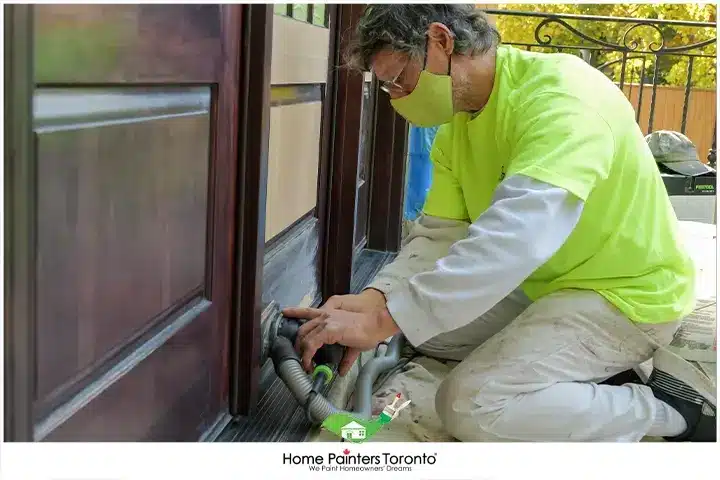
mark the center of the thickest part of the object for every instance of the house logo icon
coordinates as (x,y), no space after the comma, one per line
(357,430)
(353,431)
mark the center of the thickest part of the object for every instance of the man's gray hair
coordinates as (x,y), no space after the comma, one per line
(403,28)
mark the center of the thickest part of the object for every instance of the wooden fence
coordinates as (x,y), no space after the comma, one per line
(668,112)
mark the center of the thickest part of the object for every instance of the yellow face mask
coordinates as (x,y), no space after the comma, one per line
(430,104)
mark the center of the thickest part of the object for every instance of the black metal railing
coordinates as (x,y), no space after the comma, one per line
(312,13)
(629,59)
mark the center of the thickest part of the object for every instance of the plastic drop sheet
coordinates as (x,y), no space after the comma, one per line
(290,269)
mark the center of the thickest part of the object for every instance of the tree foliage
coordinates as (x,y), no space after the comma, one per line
(672,69)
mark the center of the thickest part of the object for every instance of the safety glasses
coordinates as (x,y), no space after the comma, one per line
(389,86)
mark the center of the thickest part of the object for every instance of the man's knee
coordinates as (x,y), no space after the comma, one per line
(465,412)
(450,411)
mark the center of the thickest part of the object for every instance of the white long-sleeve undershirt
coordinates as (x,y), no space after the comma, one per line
(449,272)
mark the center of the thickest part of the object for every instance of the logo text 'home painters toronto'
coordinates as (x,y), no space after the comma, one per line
(358,462)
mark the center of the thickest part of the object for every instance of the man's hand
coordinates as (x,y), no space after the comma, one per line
(368,301)
(357,331)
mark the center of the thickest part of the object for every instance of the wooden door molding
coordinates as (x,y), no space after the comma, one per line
(253,133)
(20,225)
(327,131)
(389,153)
(227,123)
(340,178)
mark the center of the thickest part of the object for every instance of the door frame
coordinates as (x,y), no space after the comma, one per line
(254,138)
(20,224)
(387,184)
(337,176)
(337,182)
(343,150)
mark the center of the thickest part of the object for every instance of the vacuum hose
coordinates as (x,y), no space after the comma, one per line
(305,389)
(370,372)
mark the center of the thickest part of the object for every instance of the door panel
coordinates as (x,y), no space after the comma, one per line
(135,123)
(173,394)
(122,209)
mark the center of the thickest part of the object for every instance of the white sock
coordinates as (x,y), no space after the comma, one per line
(668,421)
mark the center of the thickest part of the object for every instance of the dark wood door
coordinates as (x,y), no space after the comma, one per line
(129,281)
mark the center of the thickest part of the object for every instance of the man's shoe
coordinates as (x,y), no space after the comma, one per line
(690,391)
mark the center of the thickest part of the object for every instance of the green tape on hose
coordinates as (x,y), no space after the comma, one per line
(323,369)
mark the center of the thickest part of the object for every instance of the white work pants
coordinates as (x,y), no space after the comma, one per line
(530,372)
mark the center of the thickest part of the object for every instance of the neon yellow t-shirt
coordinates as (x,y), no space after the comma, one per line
(556,119)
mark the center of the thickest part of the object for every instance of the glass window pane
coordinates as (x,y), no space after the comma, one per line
(293,162)
(319,13)
(298,76)
(281,8)
(300,12)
